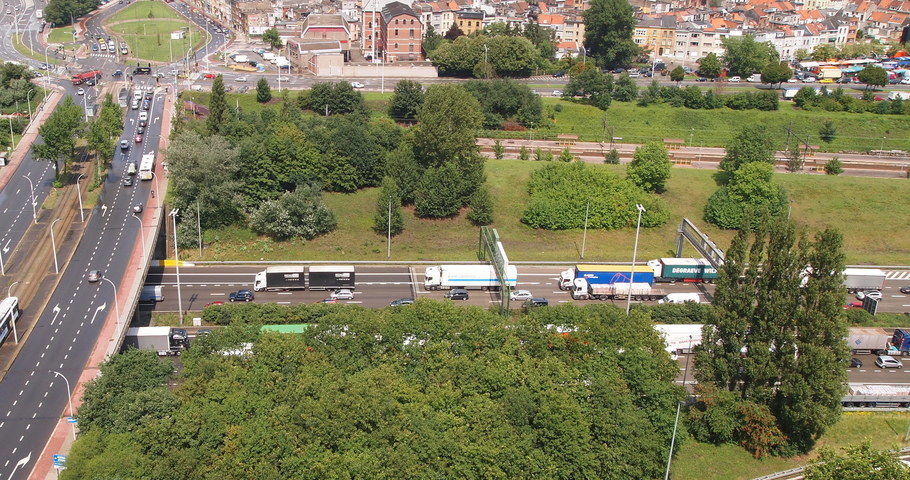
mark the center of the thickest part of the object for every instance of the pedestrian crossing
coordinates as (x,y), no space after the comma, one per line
(102,55)
(897,275)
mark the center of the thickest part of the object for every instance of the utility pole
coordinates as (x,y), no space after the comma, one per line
(199,227)
(389,253)
(584,236)
(641,209)
(173,215)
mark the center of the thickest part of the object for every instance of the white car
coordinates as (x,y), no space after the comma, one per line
(356,84)
(342,294)
(81,91)
(734,79)
(873,294)
(240,79)
(809,79)
(520,295)
(557,93)
(887,361)
(284,79)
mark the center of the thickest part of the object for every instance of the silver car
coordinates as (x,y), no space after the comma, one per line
(887,361)
(520,295)
(342,294)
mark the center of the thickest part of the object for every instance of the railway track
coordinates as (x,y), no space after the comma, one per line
(799,472)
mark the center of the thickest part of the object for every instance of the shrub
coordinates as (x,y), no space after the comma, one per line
(523,154)
(612,157)
(559,193)
(498,150)
(834,167)
(750,195)
(481,207)
(296,214)
(542,155)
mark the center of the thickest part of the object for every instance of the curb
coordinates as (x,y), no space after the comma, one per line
(30,134)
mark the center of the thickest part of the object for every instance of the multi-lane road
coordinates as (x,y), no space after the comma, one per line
(378,285)
(32,397)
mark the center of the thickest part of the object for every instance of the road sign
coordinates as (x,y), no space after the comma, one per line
(58,457)
(71,419)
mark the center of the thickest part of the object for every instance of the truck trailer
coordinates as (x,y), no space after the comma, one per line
(330,277)
(163,340)
(583,290)
(594,274)
(481,277)
(682,270)
(862,279)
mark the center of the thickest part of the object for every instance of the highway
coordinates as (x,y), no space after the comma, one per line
(378,285)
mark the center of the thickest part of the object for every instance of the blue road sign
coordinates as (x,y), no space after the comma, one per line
(59,457)
(71,420)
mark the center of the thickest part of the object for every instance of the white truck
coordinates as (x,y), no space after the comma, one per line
(681,297)
(862,279)
(680,339)
(467,276)
(241,58)
(901,95)
(583,290)
(163,340)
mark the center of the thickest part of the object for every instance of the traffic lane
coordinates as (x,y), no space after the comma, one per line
(869,373)
(196,297)
(245,274)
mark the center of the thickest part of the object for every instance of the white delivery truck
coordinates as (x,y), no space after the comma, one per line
(681,297)
(901,95)
(241,58)
(862,279)
(467,276)
(681,338)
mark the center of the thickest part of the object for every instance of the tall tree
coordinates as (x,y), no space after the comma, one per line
(59,134)
(203,172)
(608,32)
(447,125)
(752,143)
(406,100)
(218,109)
(860,462)
(272,38)
(778,338)
(431,40)
(263,91)
(388,201)
(744,55)
(481,207)
(873,76)
(650,167)
(454,32)
(709,66)
(776,72)
(677,74)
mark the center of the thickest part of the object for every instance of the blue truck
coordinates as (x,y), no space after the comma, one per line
(603,274)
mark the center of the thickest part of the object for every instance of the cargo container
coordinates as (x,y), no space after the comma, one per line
(868,340)
(467,276)
(331,277)
(582,290)
(151,293)
(163,340)
(680,339)
(861,279)
(595,274)
(280,278)
(682,270)
(681,297)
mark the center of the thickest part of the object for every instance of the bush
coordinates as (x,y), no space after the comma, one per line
(834,167)
(506,99)
(541,155)
(523,154)
(650,167)
(439,192)
(481,207)
(612,157)
(750,195)
(296,214)
(559,193)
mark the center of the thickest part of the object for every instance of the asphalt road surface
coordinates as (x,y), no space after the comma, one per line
(377,286)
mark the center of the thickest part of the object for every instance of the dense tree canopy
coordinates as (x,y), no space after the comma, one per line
(650,167)
(744,55)
(426,391)
(64,12)
(608,32)
(58,135)
(508,56)
(406,100)
(502,100)
(861,462)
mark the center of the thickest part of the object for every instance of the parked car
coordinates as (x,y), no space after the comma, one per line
(701,79)
(734,79)
(342,294)
(520,295)
(887,361)
(94,47)
(401,301)
(557,93)
(874,294)
(240,79)
(457,294)
(559,74)
(81,91)
(853,306)
(241,296)
(93,276)
(534,303)
(905,289)
(856,363)
(356,84)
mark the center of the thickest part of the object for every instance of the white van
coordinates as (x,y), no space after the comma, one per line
(143,116)
(151,293)
(681,298)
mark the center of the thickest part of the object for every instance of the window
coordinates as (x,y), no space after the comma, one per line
(411,47)
(396,46)
(411,32)
(396,32)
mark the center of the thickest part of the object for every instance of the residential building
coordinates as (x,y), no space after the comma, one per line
(402,33)
(318,26)
(469,21)
(656,34)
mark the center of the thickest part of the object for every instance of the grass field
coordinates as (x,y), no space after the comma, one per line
(146,27)
(699,461)
(60,35)
(714,128)
(144,10)
(33,54)
(817,202)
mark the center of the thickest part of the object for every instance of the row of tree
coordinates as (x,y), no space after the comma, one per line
(500,100)
(429,391)
(837,100)
(65,12)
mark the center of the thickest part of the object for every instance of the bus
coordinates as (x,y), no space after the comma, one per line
(81,78)
(147,166)
(9,313)
(39,13)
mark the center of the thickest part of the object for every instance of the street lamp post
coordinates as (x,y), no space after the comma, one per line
(389,218)
(116,303)
(28,99)
(9,293)
(79,195)
(174,214)
(32,187)
(11,134)
(584,55)
(69,397)
(584,236)
(678,407)
(54,246)
(641,210)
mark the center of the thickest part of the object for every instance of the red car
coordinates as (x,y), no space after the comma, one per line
(209,75)
(138,139)
(213,304)
(853,306)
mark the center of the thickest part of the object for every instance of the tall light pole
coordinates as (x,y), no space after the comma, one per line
(54,246)
(32,187)
(389,218)
(79,195)
(116,303)
(11,134)
(28,99)
(69,397)
(584,236)
(9,293)
(173,215)
(678,407)
(641,210)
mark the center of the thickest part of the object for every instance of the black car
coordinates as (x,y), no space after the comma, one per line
(856,363)
(140,130)
(701,79)
(127,181)
(534,303)
(457,294)
(905,289)
(401,301)
(559,74)
(241,296)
